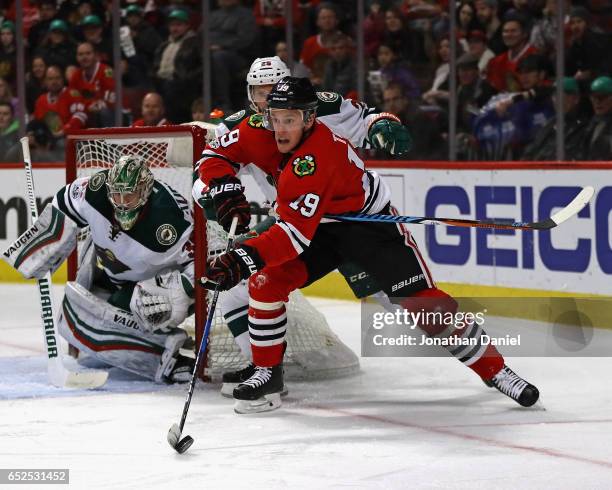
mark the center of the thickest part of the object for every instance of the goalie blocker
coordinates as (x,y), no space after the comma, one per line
(44,246)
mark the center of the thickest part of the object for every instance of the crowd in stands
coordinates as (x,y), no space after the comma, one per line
(506,51)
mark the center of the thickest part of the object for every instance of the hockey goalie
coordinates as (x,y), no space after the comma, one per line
(134,285)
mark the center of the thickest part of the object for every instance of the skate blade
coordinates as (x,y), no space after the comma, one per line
(227,390)
(267,403)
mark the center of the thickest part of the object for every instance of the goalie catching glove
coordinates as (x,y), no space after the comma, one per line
(230,268)
(44,246)
(387,133)
(161,303)
(228,196)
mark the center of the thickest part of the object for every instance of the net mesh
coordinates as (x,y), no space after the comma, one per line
(313,350)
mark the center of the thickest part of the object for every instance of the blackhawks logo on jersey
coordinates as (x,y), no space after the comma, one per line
(303,166)
(256,121)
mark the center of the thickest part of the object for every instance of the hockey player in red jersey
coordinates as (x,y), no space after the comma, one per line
(318,173)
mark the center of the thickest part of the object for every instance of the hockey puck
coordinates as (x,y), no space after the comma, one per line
(184,444)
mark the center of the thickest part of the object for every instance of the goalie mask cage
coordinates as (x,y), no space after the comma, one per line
(313,350)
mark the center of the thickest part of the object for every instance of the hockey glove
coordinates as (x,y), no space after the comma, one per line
(230,268)
(228,196)
(387,133)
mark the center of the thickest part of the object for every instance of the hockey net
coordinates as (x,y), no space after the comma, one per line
(313,350)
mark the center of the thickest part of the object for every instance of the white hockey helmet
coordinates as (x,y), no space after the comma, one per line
(265,71)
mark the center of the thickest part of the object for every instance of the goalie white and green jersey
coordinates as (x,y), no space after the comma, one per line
(161,239)
(345,117)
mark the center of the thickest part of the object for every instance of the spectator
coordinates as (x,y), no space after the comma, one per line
(473,91)
(178,66)
(544,146)
(438,93)
(232,38)
(270,17)
(60,108)
(8,51)
(501,71)
(315,51)
(510,121)
(35,82)
(466,22)
(58,47)
(394,70)
(153,111)
(397,35)
(46,12)
(6,94)
(373,29)
(421,19)
(95,82)
(299,69)
(9,129)
(341,70)
(426,127)
(41,143)
(486,12)
(197,110)
(477,45)
(545,31)
(588,54)
(93,33)
(144,36)
(597,144)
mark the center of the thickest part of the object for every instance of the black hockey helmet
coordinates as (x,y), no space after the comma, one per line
(293,93)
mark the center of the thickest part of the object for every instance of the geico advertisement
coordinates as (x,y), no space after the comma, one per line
(573,257)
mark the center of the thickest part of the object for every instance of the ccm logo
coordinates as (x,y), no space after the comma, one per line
(247,259)
(407,282)
(225,188)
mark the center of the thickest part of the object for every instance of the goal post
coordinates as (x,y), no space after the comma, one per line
(171,152)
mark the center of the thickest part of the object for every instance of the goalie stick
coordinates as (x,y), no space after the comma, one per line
(574,207)
(174,434)
(58,374)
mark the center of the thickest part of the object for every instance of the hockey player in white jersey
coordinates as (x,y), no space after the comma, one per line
(135,279)
(361,125)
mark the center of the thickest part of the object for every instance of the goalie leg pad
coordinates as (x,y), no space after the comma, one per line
(110,334)
(44,246)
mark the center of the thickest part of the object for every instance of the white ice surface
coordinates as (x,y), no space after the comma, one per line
(400,423)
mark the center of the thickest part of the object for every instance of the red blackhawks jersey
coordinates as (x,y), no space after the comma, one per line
(323,175)
(66,111)
(100,87)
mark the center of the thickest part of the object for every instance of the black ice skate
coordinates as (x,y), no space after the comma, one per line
(231,379)
(261,392)
(512,385)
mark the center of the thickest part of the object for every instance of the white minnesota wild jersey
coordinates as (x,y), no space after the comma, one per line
(161,239)
(345,117)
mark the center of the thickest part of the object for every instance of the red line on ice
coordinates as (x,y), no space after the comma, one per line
(460,435)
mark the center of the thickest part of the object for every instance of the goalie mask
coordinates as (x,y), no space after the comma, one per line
(267,72)
(129,185)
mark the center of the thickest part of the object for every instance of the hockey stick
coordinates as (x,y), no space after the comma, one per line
(58,374)
(574,207)
(174,434)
